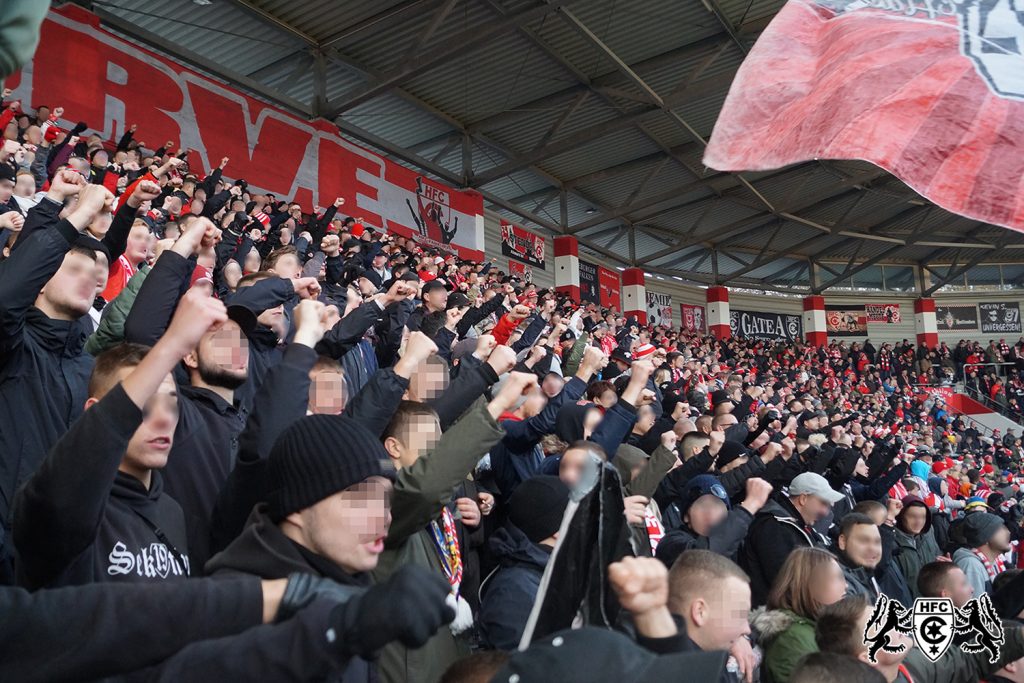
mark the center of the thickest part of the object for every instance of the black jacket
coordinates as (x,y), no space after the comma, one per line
(507,595)
(264,551)
(44,372)
(724,539)
(264,346)
(79,520)
(777,530)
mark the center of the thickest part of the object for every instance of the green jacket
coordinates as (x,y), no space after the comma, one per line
(957,667)
(785,638)
(572,363)
(110,333)
(19,33)
(914,552)
(420,493)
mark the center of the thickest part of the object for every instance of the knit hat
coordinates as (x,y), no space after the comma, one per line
(729,451)
(318,456)
(537,506)
(980,527)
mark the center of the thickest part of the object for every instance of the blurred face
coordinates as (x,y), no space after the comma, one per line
(552,385)
(607,399)
(138,243)
(812,508)
(348,528)
(232,274)
(1000,543)
(288,266)
(829,583)
(571,468)
(252,261)
(722,617)
(70,292)
(644,420)
(914,519)
(222,357)
(275,320)
(863,546)
(152,441)
(705,513)
(24,186)
(6,190)
(102,272)
(534,403)
(436,298)
(327,392)
(958,587)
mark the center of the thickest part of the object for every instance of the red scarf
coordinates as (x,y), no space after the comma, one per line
(995,568)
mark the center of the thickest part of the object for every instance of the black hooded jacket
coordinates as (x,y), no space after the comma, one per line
(44,372)
(79,520)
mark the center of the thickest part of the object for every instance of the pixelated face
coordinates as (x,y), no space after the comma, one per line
(152,441)
(430,379)
(223,356)
(70,292)
(706,512)
(327,392)
(728,614)
(420,438)
(863,545)
(349,528)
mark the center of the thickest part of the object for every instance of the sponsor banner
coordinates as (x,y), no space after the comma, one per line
(846,321)
(115,84)
(610,288)
(883,313)
(767,326)
(522,245)
(956,317)
(1000,318)
(520,270)
(693,320)
(659,309)
(932,92)
(590,288)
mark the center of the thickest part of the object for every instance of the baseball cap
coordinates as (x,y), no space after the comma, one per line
(700,486)
(815,485)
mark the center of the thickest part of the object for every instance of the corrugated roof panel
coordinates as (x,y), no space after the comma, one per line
(610,149)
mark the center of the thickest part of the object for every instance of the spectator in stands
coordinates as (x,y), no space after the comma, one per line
(783,525)
(915,540)
(944,580)
(810,579)
(986,538)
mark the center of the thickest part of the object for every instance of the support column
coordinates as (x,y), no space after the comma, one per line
(719,322)
(634,294)
(925,322)
(567,267)
(815,327)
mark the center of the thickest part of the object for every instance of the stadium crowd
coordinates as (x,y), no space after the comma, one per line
(246,438)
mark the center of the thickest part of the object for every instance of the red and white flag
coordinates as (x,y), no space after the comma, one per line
(930,90)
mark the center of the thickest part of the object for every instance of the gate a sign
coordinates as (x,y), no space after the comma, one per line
(933,626)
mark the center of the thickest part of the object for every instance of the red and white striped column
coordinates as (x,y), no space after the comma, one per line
(634,294)
(719,322)
(815,326)
(925,322)
(567,267)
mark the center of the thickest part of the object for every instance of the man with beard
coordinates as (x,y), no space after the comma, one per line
(206,438)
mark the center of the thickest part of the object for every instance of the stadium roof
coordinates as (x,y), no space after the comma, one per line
(586,118)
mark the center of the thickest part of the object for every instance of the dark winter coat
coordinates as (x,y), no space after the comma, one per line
(723,539)
(507,595)
(777,530)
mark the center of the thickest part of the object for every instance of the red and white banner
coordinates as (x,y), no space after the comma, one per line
(110,84)
(883,313)
(932,92)
(520,270)
(693,319)
(521,244)
(608,279)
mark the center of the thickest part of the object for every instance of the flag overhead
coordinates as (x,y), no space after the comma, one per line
(933,92)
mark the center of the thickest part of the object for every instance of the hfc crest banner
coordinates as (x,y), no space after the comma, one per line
(933,92)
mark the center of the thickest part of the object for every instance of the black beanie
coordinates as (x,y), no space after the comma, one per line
(318,456)
(537,506)
(729,451)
